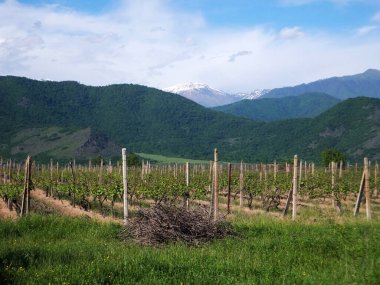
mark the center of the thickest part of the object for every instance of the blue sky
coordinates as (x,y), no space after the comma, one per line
(235,45)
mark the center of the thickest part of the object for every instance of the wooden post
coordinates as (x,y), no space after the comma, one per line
(57,171)
(341,169)
(210,170)
(73,174)
(125,184)
(295,187)
(312,169)
(333,167)
(229,174)
(187,194)
(274,170)
(241,185)
(360,196)
(375,192)
(27,183)
(10,171)
(109,166)
(216,190)
(1,169)
(367,189)
(101,172)
(187,174)
(305,168)
(51,179)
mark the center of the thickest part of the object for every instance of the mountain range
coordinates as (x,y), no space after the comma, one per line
(363,84)
(210,97)
(241,104)
(66,119)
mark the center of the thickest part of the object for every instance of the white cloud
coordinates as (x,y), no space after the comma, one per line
(146,42)
(376,17)
(239,54)
(291,33)
(362,31)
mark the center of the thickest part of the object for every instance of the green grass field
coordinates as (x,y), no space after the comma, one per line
(60,250)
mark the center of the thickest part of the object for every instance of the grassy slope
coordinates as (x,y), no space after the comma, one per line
(273,109)
(56,250)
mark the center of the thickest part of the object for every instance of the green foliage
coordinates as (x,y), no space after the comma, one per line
(332,155)
(133,160)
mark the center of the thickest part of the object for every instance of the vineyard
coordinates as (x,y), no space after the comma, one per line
(70,223)
(222,187)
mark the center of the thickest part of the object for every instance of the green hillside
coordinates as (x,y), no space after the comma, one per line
(147,120)
(307,105)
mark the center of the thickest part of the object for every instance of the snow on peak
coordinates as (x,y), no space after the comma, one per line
(192,86)
(255,94)
(211,97)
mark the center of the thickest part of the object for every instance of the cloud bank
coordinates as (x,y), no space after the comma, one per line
(151,43)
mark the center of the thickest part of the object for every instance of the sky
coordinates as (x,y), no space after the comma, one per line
(231,45)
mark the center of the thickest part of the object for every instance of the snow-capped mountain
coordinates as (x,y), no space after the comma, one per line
(255,94)
(210,97)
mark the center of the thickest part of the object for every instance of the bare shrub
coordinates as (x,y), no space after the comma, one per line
(164,224)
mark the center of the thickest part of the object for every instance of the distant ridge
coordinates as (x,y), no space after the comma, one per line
(306,105)
(363,84)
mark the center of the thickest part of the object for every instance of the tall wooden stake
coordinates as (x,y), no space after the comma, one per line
(360,196)
(187,194)
(333,168)
(229,174)
(216,186)
(241,185)
(295,187)
(72,166)
(375,192)
(367,189)
(125,184)
(27,183)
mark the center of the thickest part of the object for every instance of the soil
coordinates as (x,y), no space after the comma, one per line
(64,207)
(5,213)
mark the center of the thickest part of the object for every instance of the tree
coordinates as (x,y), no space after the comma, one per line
(329,155)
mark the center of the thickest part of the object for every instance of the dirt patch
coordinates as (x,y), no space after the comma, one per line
(5,213)
(63,207)
(332,133)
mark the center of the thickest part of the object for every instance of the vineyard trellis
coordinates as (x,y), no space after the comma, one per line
(264,186)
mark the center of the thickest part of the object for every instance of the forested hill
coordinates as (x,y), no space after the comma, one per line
(306,105)
(57,115)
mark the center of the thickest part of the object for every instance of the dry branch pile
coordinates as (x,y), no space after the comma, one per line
(163,224)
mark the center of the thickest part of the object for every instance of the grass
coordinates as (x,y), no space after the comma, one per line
(60,250)
(167,159)
(52,141)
